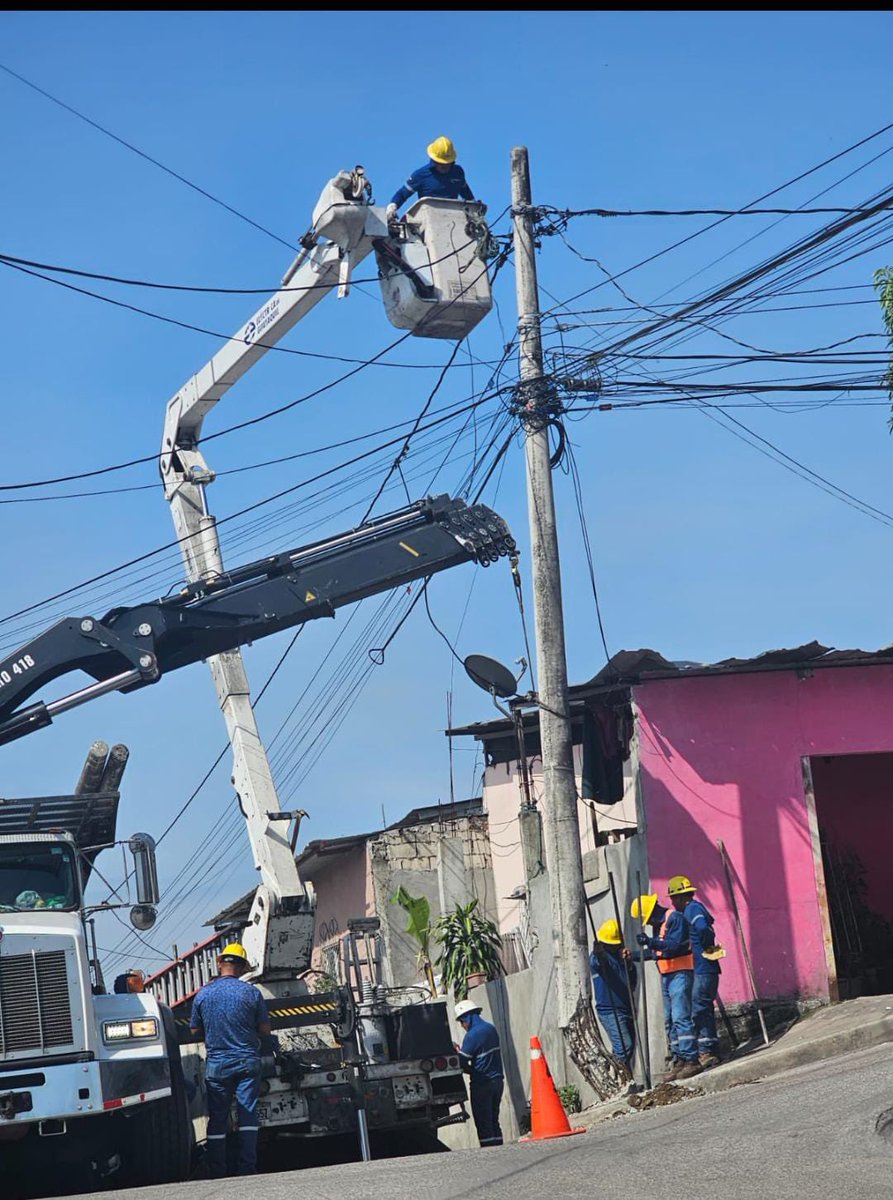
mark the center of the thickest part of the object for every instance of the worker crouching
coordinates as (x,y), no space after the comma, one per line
(231,1016)
(613,984)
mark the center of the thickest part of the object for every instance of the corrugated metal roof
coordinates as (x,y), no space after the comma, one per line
(630,667)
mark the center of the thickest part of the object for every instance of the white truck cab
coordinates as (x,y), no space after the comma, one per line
(97,1073)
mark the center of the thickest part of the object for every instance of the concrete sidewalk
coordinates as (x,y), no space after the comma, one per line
(826,1033)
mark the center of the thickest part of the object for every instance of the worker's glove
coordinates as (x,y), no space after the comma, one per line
(483,208)
(391,213)
(643,939)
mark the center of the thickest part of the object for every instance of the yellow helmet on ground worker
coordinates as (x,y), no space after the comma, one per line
(680,885)
(609,933)
(644,905)
(442,150)
(234,952)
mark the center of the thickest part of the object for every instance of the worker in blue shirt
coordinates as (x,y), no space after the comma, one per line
(482,1058)
(613,981)
(440,177)
(671,950)
(231,1016)
(681,891)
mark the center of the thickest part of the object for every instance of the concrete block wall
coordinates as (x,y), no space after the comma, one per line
(448,864)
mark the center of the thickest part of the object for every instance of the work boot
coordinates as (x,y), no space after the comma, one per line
(687,1070)
(673,1071)
(708,1060)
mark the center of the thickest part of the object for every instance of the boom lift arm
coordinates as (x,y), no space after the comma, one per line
(344,228)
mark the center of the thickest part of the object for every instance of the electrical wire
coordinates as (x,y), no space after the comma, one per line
(142,154)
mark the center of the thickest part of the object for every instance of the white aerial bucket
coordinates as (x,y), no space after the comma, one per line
(432,280)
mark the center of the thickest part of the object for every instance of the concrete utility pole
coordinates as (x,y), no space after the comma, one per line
(562,830)
(564,860)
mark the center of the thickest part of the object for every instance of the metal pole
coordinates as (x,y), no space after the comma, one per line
(728,1024)
(363,1130)
(562,832)
(753,986)
(518,719)
(629,986)
(644,989)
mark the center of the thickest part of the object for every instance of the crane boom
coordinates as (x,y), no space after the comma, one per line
(131,647)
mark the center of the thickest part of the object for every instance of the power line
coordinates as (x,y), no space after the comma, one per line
(566,213)
(142,154)
(223,520)
(713,225)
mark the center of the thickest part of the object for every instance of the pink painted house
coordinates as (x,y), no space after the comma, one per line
(786,759)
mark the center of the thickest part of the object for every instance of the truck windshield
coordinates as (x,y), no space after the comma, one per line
(37,875)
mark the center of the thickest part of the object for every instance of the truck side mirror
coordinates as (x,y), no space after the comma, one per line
(142,847)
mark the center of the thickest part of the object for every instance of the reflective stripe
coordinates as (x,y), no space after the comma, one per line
(216,1137)
(535,1054)
(248,1128)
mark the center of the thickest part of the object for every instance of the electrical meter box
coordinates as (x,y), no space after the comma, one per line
(432,279)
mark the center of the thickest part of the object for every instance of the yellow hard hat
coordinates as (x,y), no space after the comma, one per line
(680,885)
(609,933)
(233,952)
(442,150)
(644,904)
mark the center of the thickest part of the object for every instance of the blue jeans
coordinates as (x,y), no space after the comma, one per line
(225,1082)
(618,1025)
(676,989)
(702,1012)
(486,1096)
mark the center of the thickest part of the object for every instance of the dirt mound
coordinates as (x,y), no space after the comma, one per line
(664,1093)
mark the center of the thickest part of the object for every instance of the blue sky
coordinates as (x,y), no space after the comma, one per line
(704,547)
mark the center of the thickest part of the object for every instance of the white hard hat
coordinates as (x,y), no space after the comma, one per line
(465,1007)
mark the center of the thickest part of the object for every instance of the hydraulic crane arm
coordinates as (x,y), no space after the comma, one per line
(132,647)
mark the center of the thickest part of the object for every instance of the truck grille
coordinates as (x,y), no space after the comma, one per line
(35,1012)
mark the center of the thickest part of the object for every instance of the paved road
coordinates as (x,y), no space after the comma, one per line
(807,1135)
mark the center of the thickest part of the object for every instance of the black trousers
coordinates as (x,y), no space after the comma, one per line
(486,1096)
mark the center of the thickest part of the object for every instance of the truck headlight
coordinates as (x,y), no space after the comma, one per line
(122,1031)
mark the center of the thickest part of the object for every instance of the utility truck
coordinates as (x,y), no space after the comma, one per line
(380,1065)
(90,1082)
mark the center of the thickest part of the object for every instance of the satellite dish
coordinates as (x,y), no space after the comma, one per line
(491,675)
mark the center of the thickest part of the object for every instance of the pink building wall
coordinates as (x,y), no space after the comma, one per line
(721,758)
(343,884)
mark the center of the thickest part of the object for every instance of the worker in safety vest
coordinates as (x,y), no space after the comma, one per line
(613,981)
(440,177)
(707,952)
(481,1057)
(231,1016)
(671,950)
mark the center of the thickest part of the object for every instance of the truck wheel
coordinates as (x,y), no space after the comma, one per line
(158,1143)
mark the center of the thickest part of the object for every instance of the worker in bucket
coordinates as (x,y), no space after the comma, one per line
(670,947)
(481,1057)
(613,982)
(707,953)
(440,177)
(231,1016)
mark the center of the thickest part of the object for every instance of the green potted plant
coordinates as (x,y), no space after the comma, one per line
(470,946)
(418,926)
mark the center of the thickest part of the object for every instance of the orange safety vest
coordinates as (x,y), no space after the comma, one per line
(666,966)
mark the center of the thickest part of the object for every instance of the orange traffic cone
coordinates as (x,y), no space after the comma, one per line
(547,1116)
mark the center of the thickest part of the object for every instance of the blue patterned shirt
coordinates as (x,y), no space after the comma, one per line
(228,1011)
